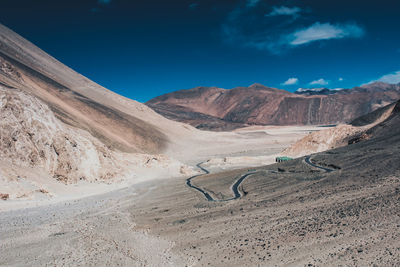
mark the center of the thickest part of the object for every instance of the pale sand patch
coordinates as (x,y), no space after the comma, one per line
(256,145)
(94,231)
(247,147)
(32,187)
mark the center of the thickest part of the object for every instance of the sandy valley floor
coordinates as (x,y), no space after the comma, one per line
(290,214)
(254,146)
(73,231)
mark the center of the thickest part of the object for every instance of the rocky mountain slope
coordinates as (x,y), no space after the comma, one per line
(257,104)
(57,125)
(389,127)
(358,130)
(73,98)
(32,136)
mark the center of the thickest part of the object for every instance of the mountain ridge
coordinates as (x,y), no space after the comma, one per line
(58,126)
(262,105)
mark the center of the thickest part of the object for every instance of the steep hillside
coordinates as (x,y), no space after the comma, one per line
(199,120)
(262,105)
(377,115)
(390,126)
(323,140)
(31,136)
(58,127)
(39,153)
(74,99)
(360,129)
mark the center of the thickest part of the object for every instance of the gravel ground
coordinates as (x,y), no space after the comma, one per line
(95,231)
(298,216)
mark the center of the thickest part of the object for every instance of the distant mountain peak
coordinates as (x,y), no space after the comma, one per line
(380,86)
(257,85)
(260,86)
(317,91)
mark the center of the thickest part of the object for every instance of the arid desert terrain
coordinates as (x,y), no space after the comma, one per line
(90,178)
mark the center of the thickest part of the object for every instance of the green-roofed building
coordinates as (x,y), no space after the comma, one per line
(282,159)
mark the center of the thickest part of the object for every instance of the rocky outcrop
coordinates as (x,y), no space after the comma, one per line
(262,105)
(57,127)
(361,129)
(323,140)
(31,136)
(38,152)
(76,100)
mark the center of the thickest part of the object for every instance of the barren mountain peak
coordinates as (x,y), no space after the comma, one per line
(258,85)
(263,105)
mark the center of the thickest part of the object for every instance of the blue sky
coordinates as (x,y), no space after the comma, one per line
(142,49)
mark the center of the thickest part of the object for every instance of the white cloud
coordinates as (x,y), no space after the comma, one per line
(393,78)
(247,25)
(319,82)
(325,31)
(284,11)
(252,3)
(291,81)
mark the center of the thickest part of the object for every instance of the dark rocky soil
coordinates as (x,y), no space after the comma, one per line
(299,216)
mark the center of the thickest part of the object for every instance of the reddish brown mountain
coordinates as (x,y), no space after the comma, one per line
(220,109)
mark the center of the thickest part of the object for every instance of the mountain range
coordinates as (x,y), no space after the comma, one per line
(212,108)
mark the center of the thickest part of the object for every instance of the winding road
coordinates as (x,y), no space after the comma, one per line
(235,187)
(189,182)
(308,161)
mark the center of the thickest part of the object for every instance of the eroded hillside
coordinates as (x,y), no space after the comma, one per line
(341,135)
(258,104)
(58,126)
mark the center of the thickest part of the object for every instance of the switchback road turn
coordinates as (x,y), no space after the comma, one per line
(308,161)
(235,187)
